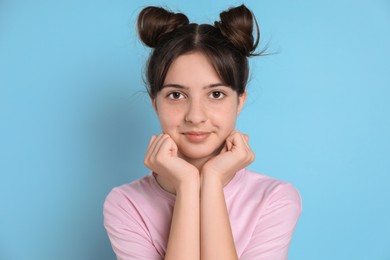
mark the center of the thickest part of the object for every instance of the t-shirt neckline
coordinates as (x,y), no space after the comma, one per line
(228,189)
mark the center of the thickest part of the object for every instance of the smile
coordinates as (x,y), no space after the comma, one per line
(196,137)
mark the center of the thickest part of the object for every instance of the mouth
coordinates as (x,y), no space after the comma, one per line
(196,136)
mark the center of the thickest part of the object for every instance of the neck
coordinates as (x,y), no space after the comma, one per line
(198,163)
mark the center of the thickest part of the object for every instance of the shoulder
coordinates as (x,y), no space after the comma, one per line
(137,200)
(273,207)
(127,216)
(124,200)
(271,191)
(128,190)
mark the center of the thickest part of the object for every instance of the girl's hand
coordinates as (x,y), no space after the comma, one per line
(235,155)
(161,157)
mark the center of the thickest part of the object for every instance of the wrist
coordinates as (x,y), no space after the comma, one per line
(212,179)
(188,185)
(188,190)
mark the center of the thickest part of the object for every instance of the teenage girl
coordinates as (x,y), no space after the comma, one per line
(199,200)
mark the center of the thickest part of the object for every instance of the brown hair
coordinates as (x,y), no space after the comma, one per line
(227,43)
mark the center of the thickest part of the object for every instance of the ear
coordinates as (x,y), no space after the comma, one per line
(241,101)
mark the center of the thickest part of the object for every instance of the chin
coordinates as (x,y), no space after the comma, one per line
(197,153)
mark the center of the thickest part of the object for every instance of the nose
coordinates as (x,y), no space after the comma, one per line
(196,112)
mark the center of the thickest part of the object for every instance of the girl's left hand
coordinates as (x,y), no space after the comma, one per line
(235,155)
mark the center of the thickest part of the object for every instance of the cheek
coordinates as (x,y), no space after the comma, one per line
(225,118)
(169,118)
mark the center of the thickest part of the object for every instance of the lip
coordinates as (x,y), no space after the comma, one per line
(196,136)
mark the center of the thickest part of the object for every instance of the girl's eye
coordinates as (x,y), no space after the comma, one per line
(175,95)
(217,95)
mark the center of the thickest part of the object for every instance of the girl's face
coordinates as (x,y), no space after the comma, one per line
(195,108)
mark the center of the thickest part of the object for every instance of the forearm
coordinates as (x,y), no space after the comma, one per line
(216,235)
(184,236)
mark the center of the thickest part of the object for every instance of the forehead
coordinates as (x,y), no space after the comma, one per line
(192,69)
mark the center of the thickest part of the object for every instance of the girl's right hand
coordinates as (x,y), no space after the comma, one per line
(161,157)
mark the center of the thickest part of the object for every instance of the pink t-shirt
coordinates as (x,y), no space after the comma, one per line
(263,213)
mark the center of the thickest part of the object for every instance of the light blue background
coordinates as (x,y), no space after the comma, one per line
(75,120)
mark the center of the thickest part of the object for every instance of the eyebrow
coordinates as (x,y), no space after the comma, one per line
(185,87)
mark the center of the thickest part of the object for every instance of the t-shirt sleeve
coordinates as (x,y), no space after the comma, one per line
(275,227)
(129,238)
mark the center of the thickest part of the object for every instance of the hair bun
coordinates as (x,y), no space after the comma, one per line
(237,25)
(155,22)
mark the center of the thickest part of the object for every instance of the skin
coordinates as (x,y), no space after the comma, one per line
(197,154)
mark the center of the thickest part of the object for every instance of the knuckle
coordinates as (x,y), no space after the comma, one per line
(253,157)
(147,162)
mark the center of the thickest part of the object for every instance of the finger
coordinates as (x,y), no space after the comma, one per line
(151,141)
(223,148)
(238,141)
(236,138)
(167,146)
(157,144)
(152,149)
(229,144)
(246,138)
(231,135)
(151,146)
(234,132)
(241,145)
(149,151)
(251,155)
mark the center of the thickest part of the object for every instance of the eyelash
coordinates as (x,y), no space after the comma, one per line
(170,95)
(217,91)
